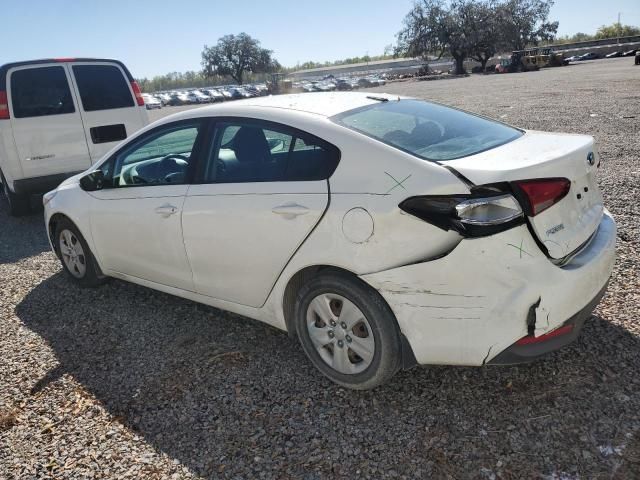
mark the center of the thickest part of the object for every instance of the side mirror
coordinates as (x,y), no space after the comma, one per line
(92,181)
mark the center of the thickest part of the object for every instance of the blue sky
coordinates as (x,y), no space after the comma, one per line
(161,36)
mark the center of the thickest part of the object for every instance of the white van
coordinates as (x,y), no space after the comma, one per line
(59,116)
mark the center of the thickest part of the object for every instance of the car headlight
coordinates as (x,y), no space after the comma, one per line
(47,197)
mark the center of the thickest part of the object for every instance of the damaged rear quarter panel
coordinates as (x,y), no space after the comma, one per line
(465,308)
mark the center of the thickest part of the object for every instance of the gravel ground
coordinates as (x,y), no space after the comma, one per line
(125,382)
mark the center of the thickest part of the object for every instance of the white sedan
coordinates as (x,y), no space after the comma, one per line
(384,232)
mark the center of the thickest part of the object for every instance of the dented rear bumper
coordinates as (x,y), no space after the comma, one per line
(528,352)
(472,305)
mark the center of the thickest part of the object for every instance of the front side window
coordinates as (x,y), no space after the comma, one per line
(37,92)
(253,152)
(162,158)
(428,130)
(102,87)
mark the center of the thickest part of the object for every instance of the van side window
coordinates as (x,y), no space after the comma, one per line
(102,87)
(36,92)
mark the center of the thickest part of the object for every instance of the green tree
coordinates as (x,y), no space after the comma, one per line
(617,30)
(525,22)
(235,55)
(459,28)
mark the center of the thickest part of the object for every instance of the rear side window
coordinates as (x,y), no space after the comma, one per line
(428,130)
(37,92)
(257,152)
(102,87)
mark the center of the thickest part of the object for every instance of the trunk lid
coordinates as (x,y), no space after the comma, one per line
(567,225)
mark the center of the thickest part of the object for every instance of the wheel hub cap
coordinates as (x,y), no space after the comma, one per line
(72,253)
(340,333)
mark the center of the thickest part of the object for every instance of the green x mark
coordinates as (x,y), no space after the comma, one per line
(520,248)
(398,183)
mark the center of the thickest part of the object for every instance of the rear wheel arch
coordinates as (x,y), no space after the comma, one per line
(301,277)
(294,285)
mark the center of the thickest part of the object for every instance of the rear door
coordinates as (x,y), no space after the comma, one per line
(261,192)
(110,110)
(46,122)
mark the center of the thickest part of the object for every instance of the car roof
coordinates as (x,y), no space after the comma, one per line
(320,103)
(5,68)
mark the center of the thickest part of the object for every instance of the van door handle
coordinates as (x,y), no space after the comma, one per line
(290,210)
(166,210)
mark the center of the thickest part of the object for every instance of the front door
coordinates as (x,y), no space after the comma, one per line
(260,194)
(136,220)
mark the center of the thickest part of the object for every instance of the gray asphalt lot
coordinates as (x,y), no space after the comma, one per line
(126,382)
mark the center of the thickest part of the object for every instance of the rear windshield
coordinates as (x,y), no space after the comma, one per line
(427,130)
(102,87)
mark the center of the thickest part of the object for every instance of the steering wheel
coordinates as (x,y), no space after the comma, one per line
(173,159)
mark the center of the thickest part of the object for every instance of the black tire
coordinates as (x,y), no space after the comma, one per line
(92,276)
(19,204)
(387,357)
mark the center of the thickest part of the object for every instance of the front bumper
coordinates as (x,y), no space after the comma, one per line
(474,303)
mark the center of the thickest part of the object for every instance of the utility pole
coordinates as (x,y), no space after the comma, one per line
(619,27)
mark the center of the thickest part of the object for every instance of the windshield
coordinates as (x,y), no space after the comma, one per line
(427,130)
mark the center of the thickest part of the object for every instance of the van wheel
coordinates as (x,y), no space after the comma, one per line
(19,204)
(348,331)
(75,255)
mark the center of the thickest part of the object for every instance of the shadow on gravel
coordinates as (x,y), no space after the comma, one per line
(227,396)
(21,237)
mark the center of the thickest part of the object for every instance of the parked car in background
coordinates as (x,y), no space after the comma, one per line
(226,94)
(164,98)
(574,58)
(588,56)
(179,99)
(214,95)
(613,54)
(251,90)
(238,93)
(343,84)
(196,96)
(468,242)
(630,53)
(57,117)
(365,83)
(151,102)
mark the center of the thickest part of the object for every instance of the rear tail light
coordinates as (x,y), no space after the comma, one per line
(469,216)
(542,193)
(138,94)
(4,106)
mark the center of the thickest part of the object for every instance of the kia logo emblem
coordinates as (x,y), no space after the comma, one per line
(591,158)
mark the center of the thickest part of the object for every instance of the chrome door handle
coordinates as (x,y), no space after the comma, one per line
(290,210)
(166,210)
